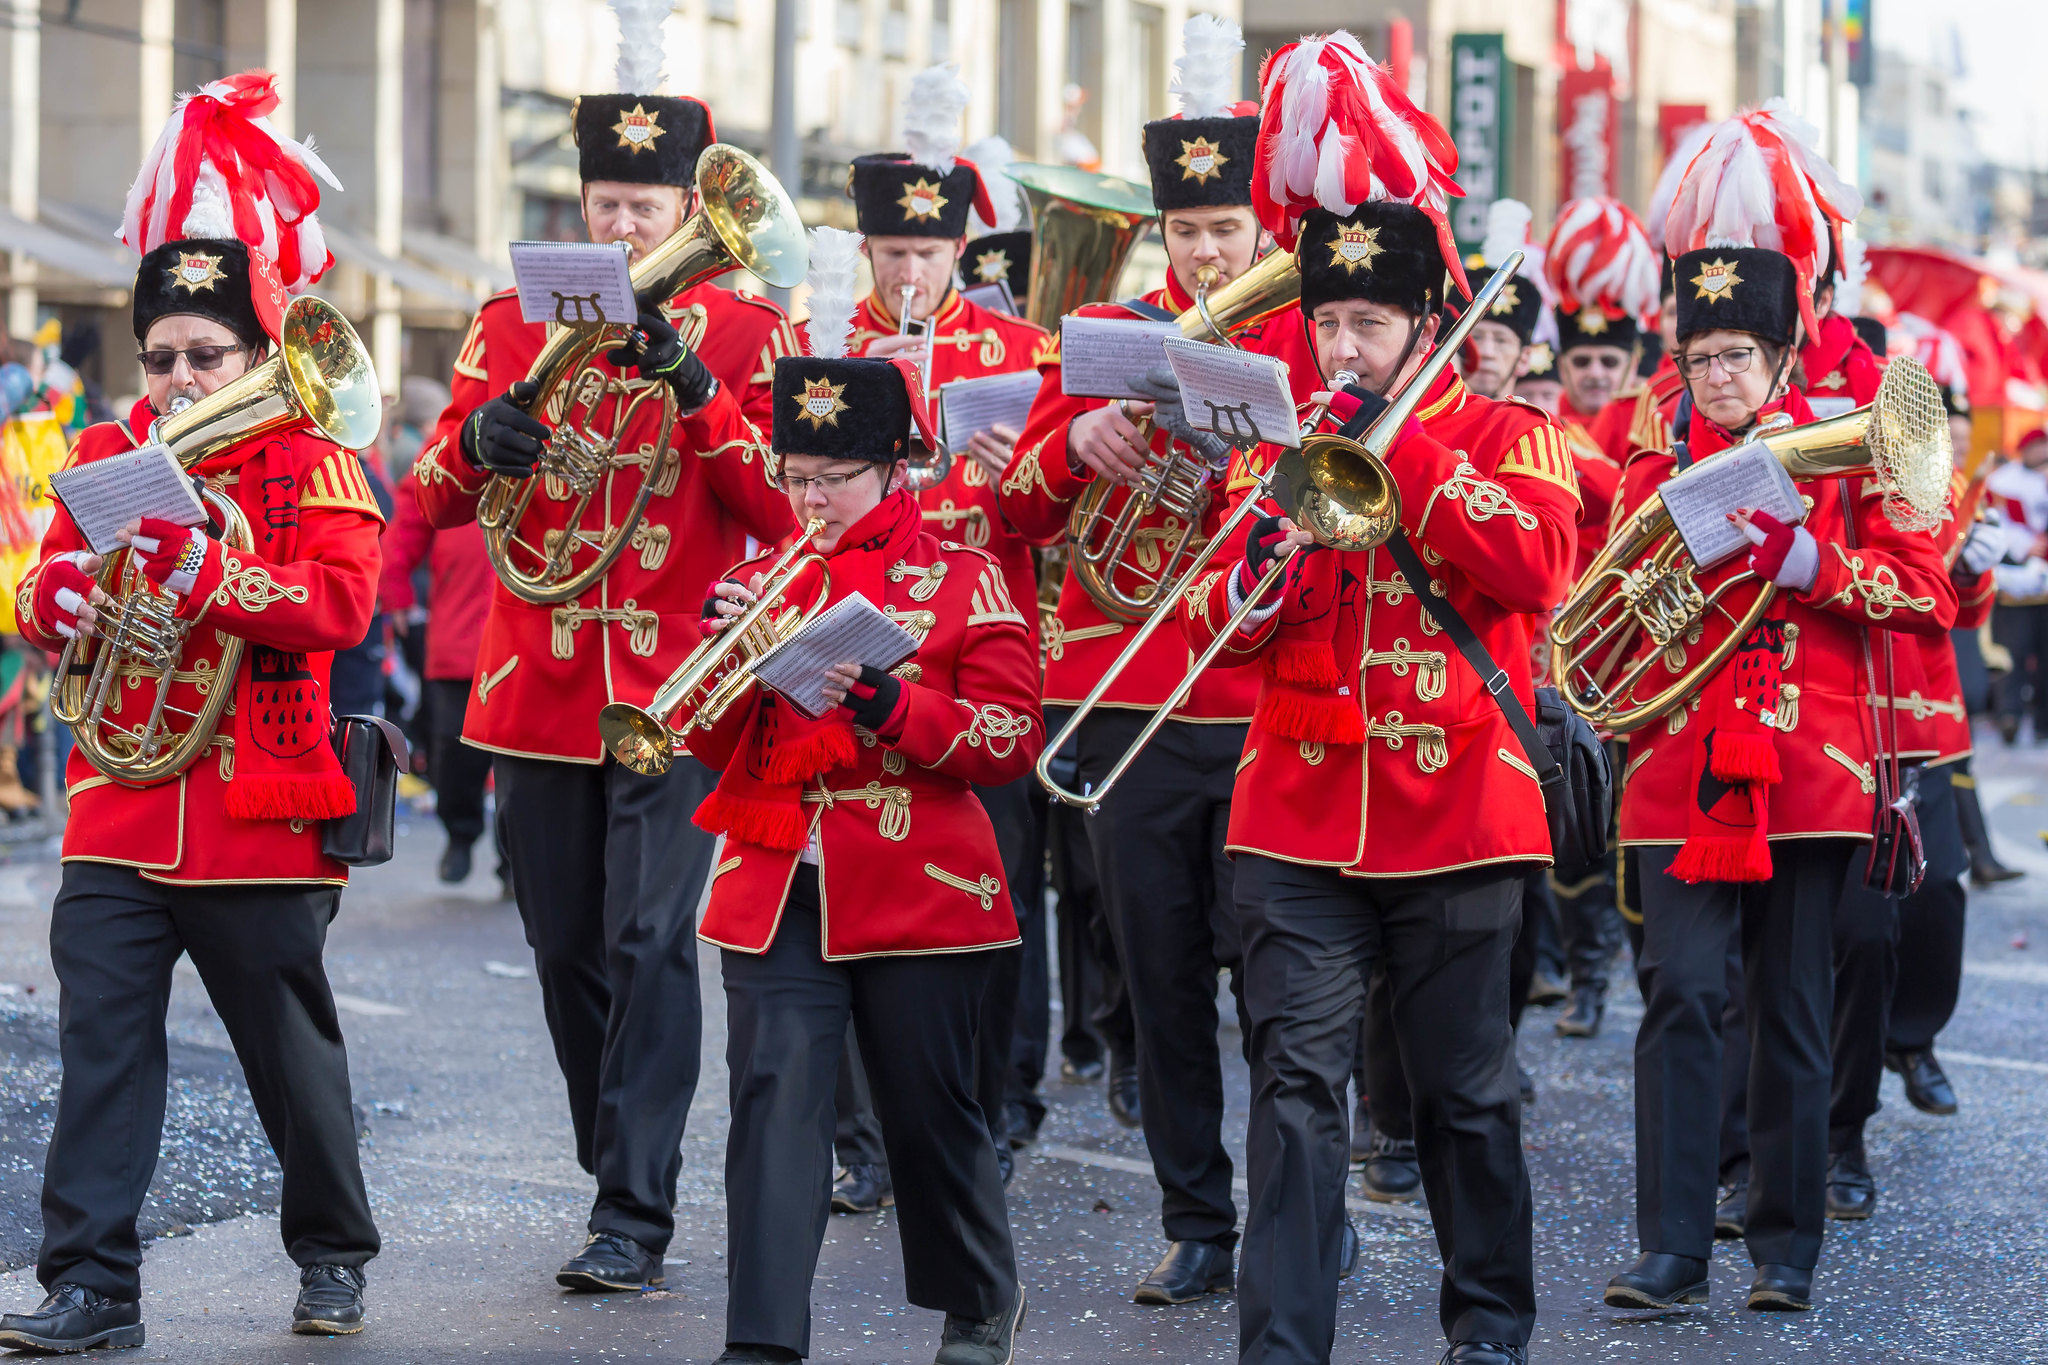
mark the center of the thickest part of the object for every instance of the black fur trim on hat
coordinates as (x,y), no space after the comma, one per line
(1382,253)
(1738,289)
(640,139)
(1519,305)
(1651,356)
(1592,327)
(202,277)
(999,256)
(1201,163)
(1955,400)
(1873,334)
(894,196)
(841,409)
(1665,283)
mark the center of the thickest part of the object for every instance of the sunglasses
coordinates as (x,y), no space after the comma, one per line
(198,357)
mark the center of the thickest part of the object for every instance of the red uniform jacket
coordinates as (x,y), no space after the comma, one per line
(1439,780)
(1038,493)
(1599,474)
(907,859)
(1927,691)
(459,588)
(544,672)
(969,341)
(179,830)
(1824,740)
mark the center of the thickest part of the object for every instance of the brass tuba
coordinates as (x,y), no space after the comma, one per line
(320,378)
(1084,228)
(744,221)
(1106,549)
(1639,603)
(720,671)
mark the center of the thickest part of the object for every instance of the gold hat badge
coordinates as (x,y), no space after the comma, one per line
(1354,247)
(1201,160)
(820,403)
(638,129)
(197,270)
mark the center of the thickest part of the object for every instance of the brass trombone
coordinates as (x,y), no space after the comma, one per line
(721,668)
(1341,492)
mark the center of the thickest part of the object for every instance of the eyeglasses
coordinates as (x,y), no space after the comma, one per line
(1733,361)
(199,357)
(828,484)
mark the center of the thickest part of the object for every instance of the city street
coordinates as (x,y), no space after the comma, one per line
(469,1159)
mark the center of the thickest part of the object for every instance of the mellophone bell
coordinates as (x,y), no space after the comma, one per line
(195,676)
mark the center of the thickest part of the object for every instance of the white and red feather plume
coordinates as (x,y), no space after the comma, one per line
(220,170)
(1760,181)
(1599,256)
(1336,131)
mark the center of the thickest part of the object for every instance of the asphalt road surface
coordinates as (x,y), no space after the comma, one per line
(470,1164)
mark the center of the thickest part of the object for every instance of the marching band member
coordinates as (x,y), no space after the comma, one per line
(1498,350)
(223,860)
(1157,839)
(1748,805)
(1384,815)
(605,867)
(861,879)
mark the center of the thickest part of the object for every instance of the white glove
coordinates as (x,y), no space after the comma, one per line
(1983,547)
(1786,555)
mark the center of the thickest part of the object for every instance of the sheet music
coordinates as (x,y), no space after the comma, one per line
(106,495)
(1700,499)
(970,406)
(1235,393)
(852,628)
(577,284)
(994,296)
(1099,357)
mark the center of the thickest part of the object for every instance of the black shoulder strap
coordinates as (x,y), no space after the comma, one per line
(1146,310)
(1490,673)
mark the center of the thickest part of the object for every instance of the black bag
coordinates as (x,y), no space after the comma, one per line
(372,753)
(1571,763)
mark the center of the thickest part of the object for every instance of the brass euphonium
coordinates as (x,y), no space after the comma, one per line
(1084,227)
(1114,558)
(322,378)
(1639,603)
(744,221)
(720,671)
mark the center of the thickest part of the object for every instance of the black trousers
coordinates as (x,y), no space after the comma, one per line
(1095,1010)
(608,870)
(1158,844)
(2024,631)
(1787,959)
(1589,924)
(1931,920)
(1312,939)
(114,938)
(787,1012)
(459,771)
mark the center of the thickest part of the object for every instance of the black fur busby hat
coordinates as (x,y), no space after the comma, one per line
(640,139)
(894,196)
(1382,252)
(202,276)
(1591,326)
(841,408)
(1519,305)
(1872,332)
(1738,289)
(1201,157)
(997,256)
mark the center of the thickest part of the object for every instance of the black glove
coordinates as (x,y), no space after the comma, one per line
(872,700)
(1370,406)
(503,437)
(1266,543)
(657,352)
(1162,390)
(713,620)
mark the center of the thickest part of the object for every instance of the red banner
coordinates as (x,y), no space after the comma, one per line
(1674,121)
(1588,122)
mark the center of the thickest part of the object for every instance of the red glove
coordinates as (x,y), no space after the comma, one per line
(877,703)
(1785,555)
(63,590)
(171,555)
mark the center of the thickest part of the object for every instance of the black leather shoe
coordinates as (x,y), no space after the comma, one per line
(1526,1082)
(862,1188)
(1391,1174)
(1986,870)
(982,1341)
(1347,1259)
(1188,1271)
(1006,1162)
(1581,1018)
(1484,1353)
(1361,1130)
(756,1353)
(611,1260)
(330,1301)
(1781,1289)
(455,862)
(1732,1211)
(1081,1071)
(1123,1092)
(1023,1127)
(74,1318)
(2009,730)
(1852,1191)
(1545,989)
(1927,1087)
(1657,1280)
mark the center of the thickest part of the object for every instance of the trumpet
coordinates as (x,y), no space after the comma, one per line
(929,465)
(1338,489)
(720,671)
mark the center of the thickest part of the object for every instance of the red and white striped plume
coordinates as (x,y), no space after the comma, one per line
(1760,181)
(1599,256)
(1336,131)
(219,170)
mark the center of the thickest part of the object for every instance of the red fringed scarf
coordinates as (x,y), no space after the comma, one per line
(759,797)
(1306,695)
(285,768)
(1735,765)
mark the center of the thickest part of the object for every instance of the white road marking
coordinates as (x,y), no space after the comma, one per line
(2033,973)
(1107,1161)
(2000,1063)
(376,1009)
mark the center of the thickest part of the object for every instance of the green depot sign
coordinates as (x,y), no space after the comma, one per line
(1481,105)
